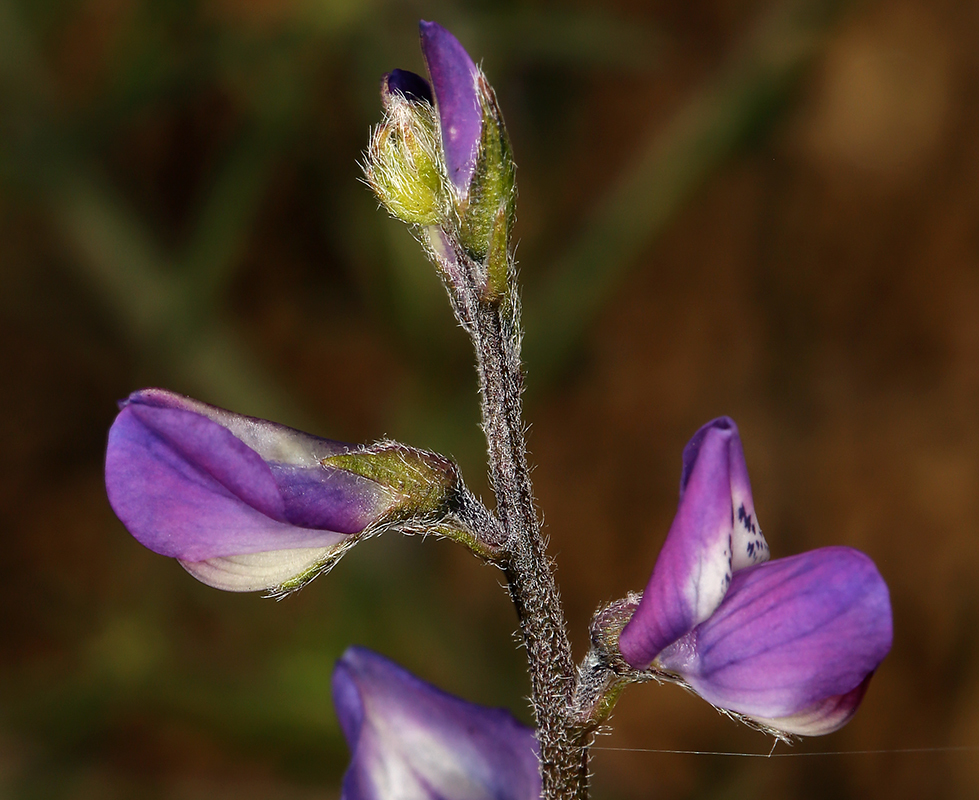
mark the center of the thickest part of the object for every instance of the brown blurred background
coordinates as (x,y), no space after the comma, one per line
(762,209)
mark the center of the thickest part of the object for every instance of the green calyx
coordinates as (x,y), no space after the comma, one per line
(404,163)
(498,258)
(488,215)
(606,626)
(422,481)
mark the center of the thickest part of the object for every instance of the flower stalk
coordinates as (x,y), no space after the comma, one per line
(471,248)
(563,749)
(787,646)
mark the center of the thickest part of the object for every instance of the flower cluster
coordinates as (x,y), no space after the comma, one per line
(245,504)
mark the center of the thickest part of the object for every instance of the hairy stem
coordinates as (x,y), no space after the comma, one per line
(563,745)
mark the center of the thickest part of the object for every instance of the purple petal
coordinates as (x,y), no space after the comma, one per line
(714,534)
(412,741)
(748,544)
(408,84)
(326,498)
(794,641)
(273,442)
(454,78)
(201,484)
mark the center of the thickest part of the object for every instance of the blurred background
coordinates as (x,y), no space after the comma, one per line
(766,209)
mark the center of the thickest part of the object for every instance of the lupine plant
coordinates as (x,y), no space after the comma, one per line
(787,646)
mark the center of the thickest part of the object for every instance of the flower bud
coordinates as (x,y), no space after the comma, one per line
(477,151)
(404,162)
(454,77)
(441,159)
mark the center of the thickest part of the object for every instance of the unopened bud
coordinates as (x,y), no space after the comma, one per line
(404,163)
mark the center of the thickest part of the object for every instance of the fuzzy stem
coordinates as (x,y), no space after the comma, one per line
(563,745)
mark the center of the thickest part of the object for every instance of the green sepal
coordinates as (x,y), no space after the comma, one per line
(460,534)
(498,258)
(606,625)
(604,673)
(424,482)
(492,191)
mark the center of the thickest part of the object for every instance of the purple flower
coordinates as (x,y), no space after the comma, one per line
(794,643)
(412,741)
(791,643)
(245,504)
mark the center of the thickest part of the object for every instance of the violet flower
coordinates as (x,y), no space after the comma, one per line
(245,504)
(791,643)
(412,741)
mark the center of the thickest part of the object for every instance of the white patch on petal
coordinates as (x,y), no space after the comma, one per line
(252,572)
(709,582)
(748,544)
(417,761)
(278,443)
(392,777)
(822,718)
